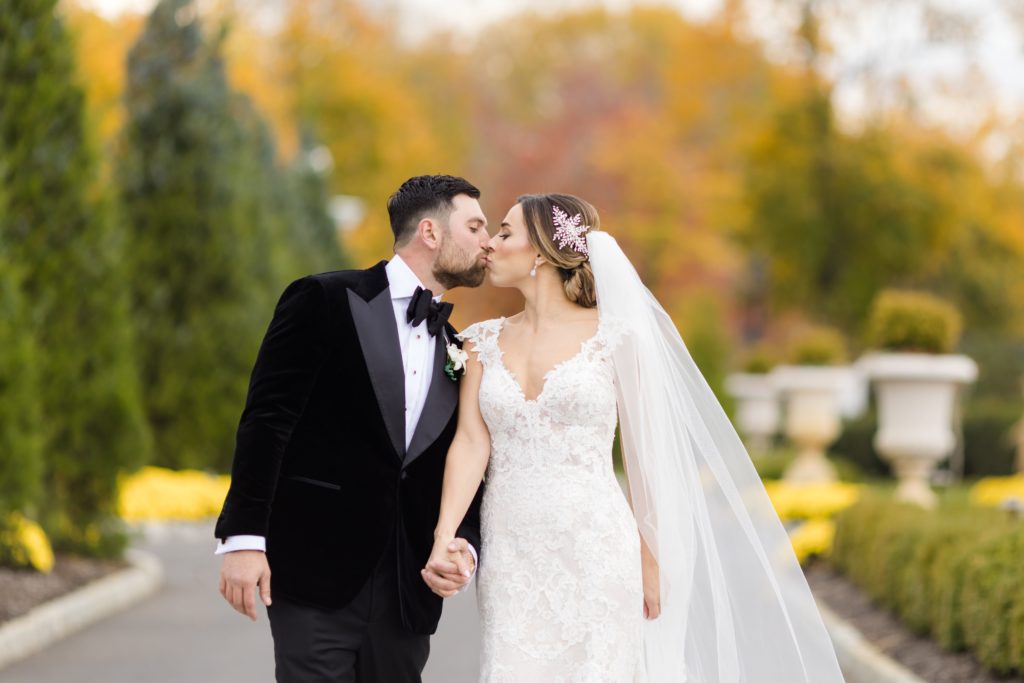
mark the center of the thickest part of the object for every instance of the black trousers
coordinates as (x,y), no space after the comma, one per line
(363,642)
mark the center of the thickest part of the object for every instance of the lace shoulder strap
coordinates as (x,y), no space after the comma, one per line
(483,336)
(610,332)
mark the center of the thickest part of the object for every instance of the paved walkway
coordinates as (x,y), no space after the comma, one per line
(187,633)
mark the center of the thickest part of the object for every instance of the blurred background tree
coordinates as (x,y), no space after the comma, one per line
(313,233)
(58,228)
(197,264)
(212,219)
(21,430)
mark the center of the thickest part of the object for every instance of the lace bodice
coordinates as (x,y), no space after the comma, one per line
(559,583)
(574,411)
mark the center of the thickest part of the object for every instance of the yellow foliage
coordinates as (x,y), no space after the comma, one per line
(816,504)
(813,538)
(994,491)
(810,501)
(101,48)
(27,543)
(156,493)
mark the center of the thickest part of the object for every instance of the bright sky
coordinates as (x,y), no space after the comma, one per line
(891,43)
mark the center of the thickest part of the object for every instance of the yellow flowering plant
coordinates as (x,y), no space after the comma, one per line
(160,494)
(23,543)
(996,491)
(810,501)
(813,505)
(813,538)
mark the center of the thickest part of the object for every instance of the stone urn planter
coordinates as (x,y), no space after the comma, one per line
(916,394)
(757,408)
(812,420)
(811,388)
(916,380)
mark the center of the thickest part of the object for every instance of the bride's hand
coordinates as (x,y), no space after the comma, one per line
(449,568)
(652,582)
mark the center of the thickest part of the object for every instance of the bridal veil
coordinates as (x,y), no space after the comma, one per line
(735,604)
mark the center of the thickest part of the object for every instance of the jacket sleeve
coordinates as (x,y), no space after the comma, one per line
(290,357)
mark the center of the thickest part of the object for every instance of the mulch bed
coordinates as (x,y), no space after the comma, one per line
(886,632)
(21,590)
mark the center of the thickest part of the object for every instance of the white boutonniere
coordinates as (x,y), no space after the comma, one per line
(456,361)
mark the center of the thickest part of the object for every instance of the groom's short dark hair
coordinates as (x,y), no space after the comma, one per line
(422,196)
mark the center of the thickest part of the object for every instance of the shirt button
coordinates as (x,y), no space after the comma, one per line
(417,336)
(414,372)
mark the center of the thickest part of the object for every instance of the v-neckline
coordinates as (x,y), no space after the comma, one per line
(547,375)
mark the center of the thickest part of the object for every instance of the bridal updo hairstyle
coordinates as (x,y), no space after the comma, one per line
(572,266)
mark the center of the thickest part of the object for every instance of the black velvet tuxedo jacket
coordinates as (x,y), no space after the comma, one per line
(320,465)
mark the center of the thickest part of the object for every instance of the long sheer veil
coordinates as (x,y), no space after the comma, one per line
(735,603)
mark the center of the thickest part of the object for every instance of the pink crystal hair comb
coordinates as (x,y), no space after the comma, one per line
(570,230)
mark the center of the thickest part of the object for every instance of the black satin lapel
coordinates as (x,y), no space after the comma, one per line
(442,396)
(378,337)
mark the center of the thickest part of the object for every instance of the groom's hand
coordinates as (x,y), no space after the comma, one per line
(449,568)
(240,573)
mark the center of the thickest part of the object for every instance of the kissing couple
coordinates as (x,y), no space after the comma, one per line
(383,459)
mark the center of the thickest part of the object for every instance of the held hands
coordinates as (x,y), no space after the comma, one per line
(450,566)
(240,573)
(652,582)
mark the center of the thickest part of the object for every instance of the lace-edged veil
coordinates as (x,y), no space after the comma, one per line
(735,603)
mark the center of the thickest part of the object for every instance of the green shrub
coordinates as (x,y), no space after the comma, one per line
(913,321)
(819,345)
(992,606)
(920,584)
(773,464)
(954,573)
(990,447)
(856,444)
(758,361)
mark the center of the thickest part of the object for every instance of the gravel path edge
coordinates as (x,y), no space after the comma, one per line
(861,661)
(59,618)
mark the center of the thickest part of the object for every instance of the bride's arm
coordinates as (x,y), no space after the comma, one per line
(464,470)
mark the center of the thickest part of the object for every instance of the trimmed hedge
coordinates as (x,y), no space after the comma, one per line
(954,573)
(913,321)
(819,345)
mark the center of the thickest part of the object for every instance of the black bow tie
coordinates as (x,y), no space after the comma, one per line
(423,307)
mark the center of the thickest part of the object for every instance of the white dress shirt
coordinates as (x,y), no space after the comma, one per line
(418,349)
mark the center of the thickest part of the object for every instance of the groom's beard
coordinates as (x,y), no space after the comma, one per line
(455,268)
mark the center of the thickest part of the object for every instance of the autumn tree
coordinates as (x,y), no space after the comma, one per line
(349,76)
(838,215)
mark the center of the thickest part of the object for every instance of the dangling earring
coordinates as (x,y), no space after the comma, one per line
(533,271)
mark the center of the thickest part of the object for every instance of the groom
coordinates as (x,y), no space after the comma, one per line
(340,452)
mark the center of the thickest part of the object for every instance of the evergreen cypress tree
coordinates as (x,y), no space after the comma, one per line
(20,428)
(194,185)
(312,229)
(266,202)
(59,229)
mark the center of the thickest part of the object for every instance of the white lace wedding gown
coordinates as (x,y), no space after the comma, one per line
(559,585)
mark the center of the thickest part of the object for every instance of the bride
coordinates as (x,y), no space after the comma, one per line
(690,579)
